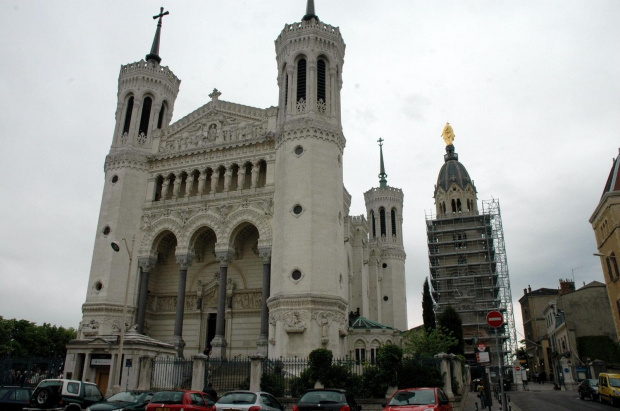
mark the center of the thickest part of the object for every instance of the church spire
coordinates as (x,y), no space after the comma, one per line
(153,56)
(382,175)
(310,12)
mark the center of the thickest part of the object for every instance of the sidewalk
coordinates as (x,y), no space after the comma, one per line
(472,399)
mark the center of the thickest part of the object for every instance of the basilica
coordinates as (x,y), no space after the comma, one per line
(228,233)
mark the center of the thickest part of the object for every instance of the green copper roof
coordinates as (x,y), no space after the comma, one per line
(365,323)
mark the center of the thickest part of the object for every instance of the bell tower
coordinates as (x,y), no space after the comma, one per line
(146,95)
(309,287)
(386,265)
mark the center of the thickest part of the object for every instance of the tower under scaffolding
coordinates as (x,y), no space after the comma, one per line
(469,271)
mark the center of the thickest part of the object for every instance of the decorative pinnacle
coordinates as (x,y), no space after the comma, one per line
(154,54)
(310,12)
(382,175)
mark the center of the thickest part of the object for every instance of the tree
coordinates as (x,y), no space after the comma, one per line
(451,320)
(428,314)
(426,343)
(21,338)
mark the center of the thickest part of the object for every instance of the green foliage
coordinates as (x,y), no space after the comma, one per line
(302,383)
(425,344)
(22,338)
(419,373)
(451,320)
(319,364)
(273,384)
(389,360)
(598,347)
(373,384)
(428,314)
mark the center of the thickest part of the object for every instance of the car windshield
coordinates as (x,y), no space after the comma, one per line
(168,397)
(593,383)
(237,398)
(125,396)
(417,397)
(614,382)
(322,397)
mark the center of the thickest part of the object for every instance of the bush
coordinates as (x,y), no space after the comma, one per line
(389,361)
(273,384)
(416,373)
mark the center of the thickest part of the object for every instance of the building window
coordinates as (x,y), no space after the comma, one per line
(321,81)
(374,227)
(301,79)
(382,221)
(162,113)
(146,115)
(128,112)
(393,222)
(614,262)
(609,272)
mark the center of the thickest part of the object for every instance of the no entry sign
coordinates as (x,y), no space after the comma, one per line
(495,319)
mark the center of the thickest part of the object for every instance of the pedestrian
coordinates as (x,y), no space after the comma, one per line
(481,396)
(210,391)
(536,376)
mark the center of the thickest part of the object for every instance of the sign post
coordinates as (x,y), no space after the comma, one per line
(495,319)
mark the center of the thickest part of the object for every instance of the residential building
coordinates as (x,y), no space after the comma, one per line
(606,225)
(533,304)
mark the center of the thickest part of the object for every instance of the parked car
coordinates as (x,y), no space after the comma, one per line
(588,389)
(125,400)
(326,399)
(185,400)
(247,401)
(14,398)
(609,388)
(69,395)
(419,399)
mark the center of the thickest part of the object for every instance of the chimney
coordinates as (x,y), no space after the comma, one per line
(566,286)
(529,289)
(525,291)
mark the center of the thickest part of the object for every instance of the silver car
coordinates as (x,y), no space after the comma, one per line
(247,401)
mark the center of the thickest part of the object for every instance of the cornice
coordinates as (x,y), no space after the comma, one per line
(308,128)
(134,161)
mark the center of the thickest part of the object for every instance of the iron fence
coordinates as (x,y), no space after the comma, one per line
(28,372)
(228,374)
(172,373)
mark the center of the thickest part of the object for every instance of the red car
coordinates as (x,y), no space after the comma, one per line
(180,400)
(419,399)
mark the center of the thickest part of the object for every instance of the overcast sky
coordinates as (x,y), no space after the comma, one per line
(531,88)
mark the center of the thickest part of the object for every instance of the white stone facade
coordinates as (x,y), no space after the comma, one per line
(234,206)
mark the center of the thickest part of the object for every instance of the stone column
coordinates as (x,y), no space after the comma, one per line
(444,368)
(262,343)
(214,178)
(201,182)
(189,184)
(184,261)
(146,264)
(241,178)
(256,371)
(198,371)
(177,185)
(227,178)
(255,171)
(164,188)
(146,371)
(219,341)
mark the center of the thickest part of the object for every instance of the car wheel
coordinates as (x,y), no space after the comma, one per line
(45,397)
(600,399)
(581,396)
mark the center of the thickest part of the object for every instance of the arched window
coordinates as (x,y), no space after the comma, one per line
(453,206)
(321,96)
(458,205)
(301,79)
(374,227)
(382,221)
(393,222)
(360,351)
(162,113)
(262,174)
(146,115)
(285,74)
(159,183)
(128,112)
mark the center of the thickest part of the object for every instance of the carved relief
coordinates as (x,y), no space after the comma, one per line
(90,328)
(247,301)
(294,323)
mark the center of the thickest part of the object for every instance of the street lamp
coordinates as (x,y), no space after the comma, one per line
(119,361)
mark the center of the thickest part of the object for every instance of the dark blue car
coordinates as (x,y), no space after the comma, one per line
(14,398)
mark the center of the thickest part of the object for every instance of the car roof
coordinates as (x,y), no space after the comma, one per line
(328,389)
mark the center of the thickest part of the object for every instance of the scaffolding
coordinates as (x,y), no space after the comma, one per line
(469,271)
